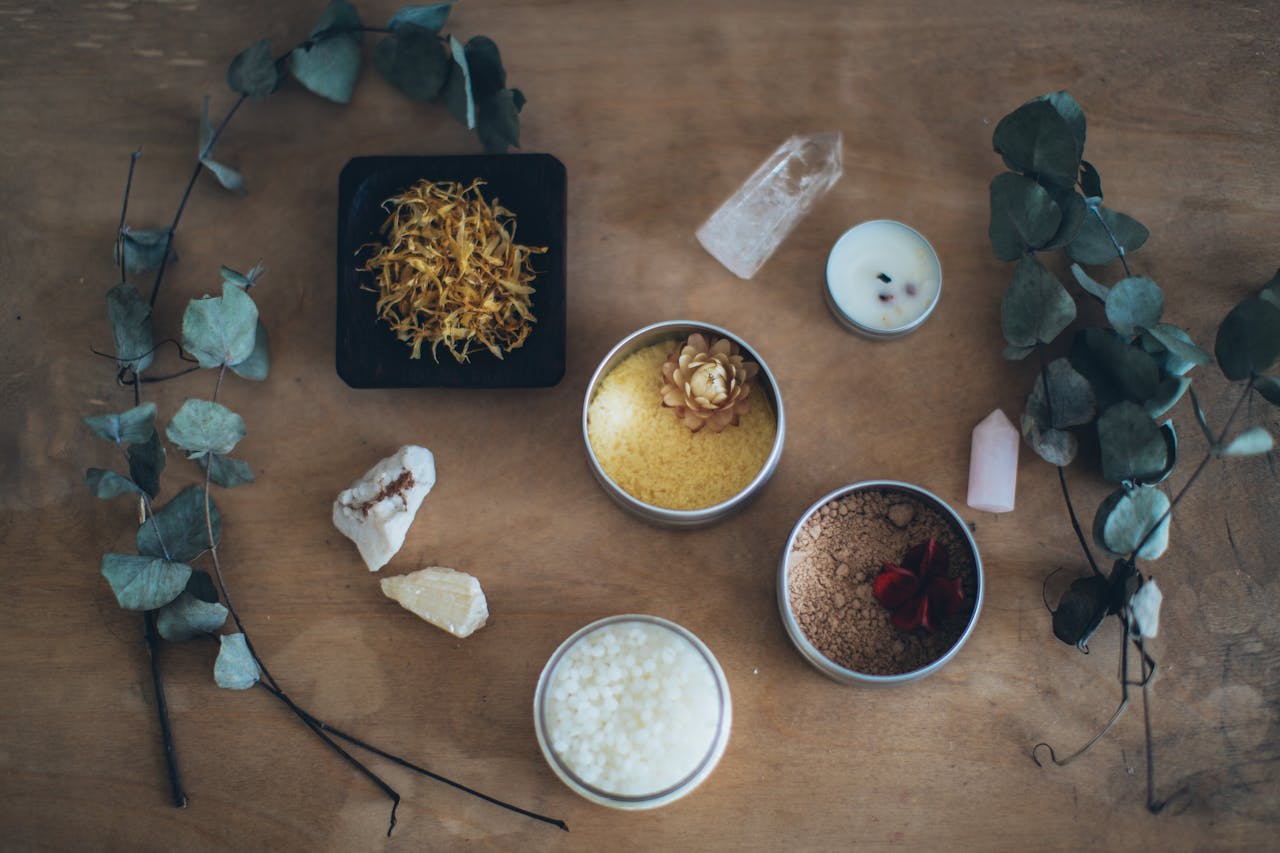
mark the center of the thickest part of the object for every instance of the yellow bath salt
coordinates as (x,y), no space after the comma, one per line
(651,455)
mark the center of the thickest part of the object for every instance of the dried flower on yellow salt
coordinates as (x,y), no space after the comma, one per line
(451,272)
(707,383)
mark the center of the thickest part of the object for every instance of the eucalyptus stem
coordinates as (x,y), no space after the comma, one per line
(1112,237)
(124,208)
(162,709)
(182,204)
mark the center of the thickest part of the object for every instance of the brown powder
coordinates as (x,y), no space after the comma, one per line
(837,555)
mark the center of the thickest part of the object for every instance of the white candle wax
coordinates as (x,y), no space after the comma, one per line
(883,277)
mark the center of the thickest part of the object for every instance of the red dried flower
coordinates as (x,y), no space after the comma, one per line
(919,593)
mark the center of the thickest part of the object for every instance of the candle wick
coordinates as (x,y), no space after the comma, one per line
(886,297)
(884,278)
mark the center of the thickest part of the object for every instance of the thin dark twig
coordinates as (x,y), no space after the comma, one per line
(150,380)
(177,217)
(408,765)
(162,709)
(116,357)
(124,207)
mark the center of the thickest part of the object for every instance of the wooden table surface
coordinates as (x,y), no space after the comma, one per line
(658,110)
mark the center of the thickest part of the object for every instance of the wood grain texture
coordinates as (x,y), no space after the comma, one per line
(658,111)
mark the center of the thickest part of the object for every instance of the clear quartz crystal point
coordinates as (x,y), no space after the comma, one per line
(751,224)
(993,464)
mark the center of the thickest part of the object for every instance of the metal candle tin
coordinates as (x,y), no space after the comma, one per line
(796,633)
(647,336)
(854,325)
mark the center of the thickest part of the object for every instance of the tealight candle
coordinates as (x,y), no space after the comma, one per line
(883,278)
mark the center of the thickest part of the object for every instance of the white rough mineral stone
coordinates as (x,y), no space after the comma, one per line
(376,511)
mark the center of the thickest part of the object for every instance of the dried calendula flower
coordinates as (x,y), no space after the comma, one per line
(451,272)
(707,383)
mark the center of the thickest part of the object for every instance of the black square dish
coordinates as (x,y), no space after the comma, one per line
(533,186)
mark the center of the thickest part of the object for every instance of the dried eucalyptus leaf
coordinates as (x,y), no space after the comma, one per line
(258,364)
(181,526)
(131,330)
(1271,290)
(413,60)
(201,586)
(1125,518)
(484,63)
(1091,286)
(1074,211)
(1249,339)
(1093,246)
(1036,307)
(202,426)
(226,472)
(329,64)
(498,120)
(187,617)
(244,279)
(254,71)
(1133,448)
(1070,398)
(146,461)
(1035,139)
(1070,111)
(1269,388)
(1168,393)
(137,424)
(1116,370)
(1134,302)
(1090,180)
(1081,610)
(1252,442)
(1181,353)
(1144,609)
(1012,353)
(1052,445)
(235,668)
(1023,216)
(458,97)
(227,176)
(108,484)
(220,330)
(430,16)
(1200,419)
(144,583)
(144,251)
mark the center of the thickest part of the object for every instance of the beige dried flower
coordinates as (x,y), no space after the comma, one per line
(707,383)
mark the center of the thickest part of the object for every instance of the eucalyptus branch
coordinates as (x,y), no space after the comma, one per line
(162,709)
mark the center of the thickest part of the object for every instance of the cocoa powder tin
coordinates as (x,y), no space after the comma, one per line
(826,573)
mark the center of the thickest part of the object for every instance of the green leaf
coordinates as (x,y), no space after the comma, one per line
(258,363)
(254,71)
(1181,353)
(1252,442)
(1168,393)
(1269,388)
(227,176)
(458,96)
(1036,307)
(1093,246)
(1023,216)
(187,617)
(109,484)
(220,330)
(1248,339)
(498,120)
(1012,353)
(144,583)
(414,61)
(1035,139)
(1081,610)
(146,461)
(131,328)
(329,64)
(143,250)
(1091,286)
(244,279)
(430,16)
(1074,211)
(201,427)
(1052,445)
(182,528)
(235,668)
(484,63)
(1116,370)
(1133,302)
(1070,398)
(227,472)
(1070,111)
(1133,448)
(1124,519)
(1090,180)
(137,424)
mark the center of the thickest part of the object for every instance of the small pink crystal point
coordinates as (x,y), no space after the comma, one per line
(993,464)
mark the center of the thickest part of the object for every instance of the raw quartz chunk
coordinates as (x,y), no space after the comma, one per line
(448,599)
(376,511)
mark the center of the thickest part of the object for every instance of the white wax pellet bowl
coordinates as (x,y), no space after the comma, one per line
(686,518)
(716,687)
(888,241)
(810,652)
